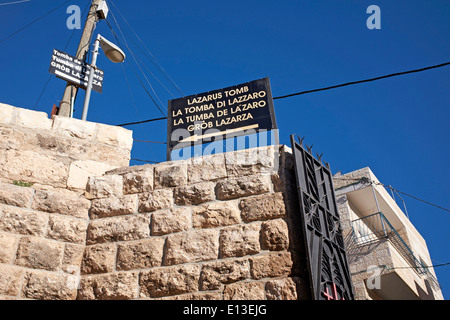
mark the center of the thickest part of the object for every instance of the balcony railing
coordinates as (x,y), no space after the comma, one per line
(376,227)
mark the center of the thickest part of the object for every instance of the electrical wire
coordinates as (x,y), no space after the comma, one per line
(15,2)
(133,100)
(363,81)
(395,268)
(65,47)
(135,59)
(146,141)
(140,48)
(153,60)
(423,267)
(349,83)
(154,76)
(411,196)
(364,179)
(32,22)
(148,161)
(140,122)
(134,71)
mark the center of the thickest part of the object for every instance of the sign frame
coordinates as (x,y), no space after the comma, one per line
(267,117)
(80,68)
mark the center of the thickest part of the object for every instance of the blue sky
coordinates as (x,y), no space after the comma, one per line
(398,126)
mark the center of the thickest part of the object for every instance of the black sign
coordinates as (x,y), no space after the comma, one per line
(73,70)
(223,113)
(329,272)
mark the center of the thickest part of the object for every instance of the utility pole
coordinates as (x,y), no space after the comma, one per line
(65,107)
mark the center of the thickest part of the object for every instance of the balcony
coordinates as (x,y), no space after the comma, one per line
(379,234)
(374,228)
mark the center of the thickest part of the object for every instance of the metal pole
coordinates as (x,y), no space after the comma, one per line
(379,212)
(83,47)
(91,78)
(404,205)
(375,197)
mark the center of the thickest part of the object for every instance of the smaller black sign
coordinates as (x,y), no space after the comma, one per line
(222,113)
(75,71)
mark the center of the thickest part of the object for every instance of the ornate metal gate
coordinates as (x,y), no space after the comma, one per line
(327,260)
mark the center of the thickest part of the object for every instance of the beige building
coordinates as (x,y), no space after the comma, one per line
(388,257)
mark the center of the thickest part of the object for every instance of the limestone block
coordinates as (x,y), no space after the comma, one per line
(6,113)
(7,247)
(195,194)
(244,291)
(39,253)
(15,195)
(264,207)
(192,246)
(352,177)
(81,170)
(115,136)
(275,235)
(22,221)
(240,240)
(215,274)
(73,256)
(281,289)
(10,280)
(104,187)
(123,228)
(138,181)
(158,199)
(114,286)
(67,229)
(53,202)
(170,175)
(252,161)
(99,259)
(17,138)
(32,119)
(168,281)
(142,254)
(243,186)
(49,286)
(74,128)
(271,265)
(133,169)
(113,156)
(32,166)
(61,145)
(216,214)
(171,221)
(214,296)
(113,206)
(206,168)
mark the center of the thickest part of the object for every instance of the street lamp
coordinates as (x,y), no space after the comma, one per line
(113,53)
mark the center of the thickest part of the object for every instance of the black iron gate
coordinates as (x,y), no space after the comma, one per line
(327,260)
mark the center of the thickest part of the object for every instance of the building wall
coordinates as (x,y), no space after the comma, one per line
(399,280)
(87,226)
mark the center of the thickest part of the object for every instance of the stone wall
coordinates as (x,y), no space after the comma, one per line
(42,239)
(60,152)
(90,227)
(44,215)
(210,228)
